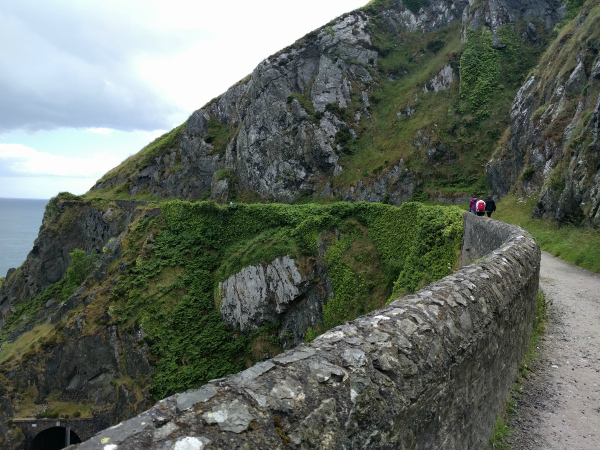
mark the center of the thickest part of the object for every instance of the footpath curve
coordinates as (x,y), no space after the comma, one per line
(559,407)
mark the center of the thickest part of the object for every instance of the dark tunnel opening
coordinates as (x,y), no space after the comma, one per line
(54,439)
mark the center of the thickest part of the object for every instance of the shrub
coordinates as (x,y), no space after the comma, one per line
(81,266)
(435,46)
(208,243)
(528,173)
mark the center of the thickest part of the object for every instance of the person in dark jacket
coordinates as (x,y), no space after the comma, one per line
(490,206)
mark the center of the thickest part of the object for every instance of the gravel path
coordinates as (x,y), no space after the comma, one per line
(559,407)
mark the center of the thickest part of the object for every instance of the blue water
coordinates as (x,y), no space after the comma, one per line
(20,221)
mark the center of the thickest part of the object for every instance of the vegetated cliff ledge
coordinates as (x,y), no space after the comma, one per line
(170,296)
(431,370)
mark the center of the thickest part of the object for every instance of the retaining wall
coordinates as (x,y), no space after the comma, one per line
(431,370)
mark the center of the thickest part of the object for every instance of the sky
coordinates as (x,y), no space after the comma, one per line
(85,84)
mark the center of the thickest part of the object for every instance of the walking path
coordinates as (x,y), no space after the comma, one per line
(559,407)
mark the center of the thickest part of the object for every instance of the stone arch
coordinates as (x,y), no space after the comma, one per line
(54,438)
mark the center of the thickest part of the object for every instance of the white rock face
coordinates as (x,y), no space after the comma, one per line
(441,81)
(260,294)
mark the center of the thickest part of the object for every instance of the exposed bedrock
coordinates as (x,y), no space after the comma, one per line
(275,134)
(552,152)
(431,370)
(276,292)
(67,225)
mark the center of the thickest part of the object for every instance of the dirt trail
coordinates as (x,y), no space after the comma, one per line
(559,407)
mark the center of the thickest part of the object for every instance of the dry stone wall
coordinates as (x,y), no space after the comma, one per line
(431,370)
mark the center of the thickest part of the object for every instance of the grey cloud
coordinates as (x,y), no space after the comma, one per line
(66,64)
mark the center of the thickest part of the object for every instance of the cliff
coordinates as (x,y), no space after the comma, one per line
(182,293)
(553,148)
(122,302)
(369,107)
(431,370)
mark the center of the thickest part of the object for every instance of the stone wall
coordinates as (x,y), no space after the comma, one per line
(431,370)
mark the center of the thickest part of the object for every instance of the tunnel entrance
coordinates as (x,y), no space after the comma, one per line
(54,438)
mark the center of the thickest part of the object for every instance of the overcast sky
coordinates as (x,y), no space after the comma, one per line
(85,84)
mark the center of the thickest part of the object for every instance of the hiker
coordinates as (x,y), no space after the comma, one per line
(480,207)
(472,204)
(490,206)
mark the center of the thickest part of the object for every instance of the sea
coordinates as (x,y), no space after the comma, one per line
(20,221)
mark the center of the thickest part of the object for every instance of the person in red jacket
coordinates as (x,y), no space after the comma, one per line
(480,207)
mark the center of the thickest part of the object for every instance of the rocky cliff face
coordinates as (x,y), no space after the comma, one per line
(294,127)
(374,106)
(276,292)
(67,225)
(431,370)
(46,354)
(553,147)
(189,292)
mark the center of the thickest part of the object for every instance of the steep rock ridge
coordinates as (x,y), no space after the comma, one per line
(45,355)
(431,370)
(284,131)
(495,13)
(67,225)
(275,292)
(553,146)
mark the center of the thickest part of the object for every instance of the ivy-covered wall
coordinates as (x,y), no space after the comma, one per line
(375,252)
(157,281)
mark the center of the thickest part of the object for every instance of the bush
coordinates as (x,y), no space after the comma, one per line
(207,243)
(435,46)
(81,266)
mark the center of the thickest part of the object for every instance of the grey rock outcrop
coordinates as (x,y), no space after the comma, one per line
(495,13)
(276,292)
(441,81)
(552,149)
(577,80)
(431,370)
(396,186)
(260,294)
(279,127)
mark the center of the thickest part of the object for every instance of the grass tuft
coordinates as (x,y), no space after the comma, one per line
(577,245)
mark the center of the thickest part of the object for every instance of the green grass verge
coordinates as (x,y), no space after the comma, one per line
(571,243)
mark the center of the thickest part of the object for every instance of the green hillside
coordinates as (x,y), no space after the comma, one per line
(176,255)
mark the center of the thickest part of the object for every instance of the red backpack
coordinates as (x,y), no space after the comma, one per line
(480,205)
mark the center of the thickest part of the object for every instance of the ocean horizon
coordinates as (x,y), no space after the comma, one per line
(20,221)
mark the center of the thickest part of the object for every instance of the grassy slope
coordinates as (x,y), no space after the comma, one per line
(467,119)
(175,261)
(573,244)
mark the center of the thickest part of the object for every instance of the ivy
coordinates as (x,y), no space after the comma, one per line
(169,288)
(479,67)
